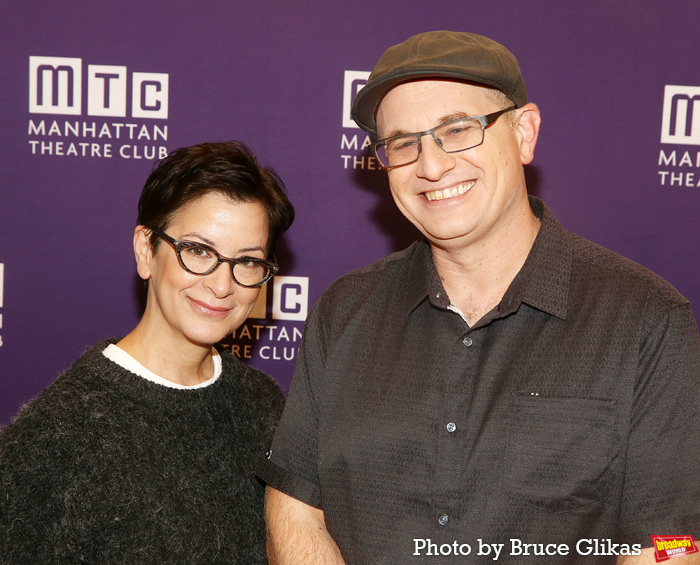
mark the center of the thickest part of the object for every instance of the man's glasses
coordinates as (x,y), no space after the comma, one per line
(200,259)
(452,137)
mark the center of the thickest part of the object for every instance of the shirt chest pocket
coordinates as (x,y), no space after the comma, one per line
(559,451)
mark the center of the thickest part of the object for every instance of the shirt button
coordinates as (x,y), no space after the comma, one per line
(268,454)
(451,427)
(467,341)
(443,520)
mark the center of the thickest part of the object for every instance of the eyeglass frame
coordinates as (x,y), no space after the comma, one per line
(178,244)
(484,121)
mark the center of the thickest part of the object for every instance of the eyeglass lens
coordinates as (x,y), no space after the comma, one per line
(201,259)
(456,136)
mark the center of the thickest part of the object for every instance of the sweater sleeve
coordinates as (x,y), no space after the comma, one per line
(33,461)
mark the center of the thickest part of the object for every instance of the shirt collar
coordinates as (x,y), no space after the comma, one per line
(422,279)
(543,281)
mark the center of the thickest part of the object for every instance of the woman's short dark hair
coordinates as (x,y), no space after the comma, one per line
(228,168)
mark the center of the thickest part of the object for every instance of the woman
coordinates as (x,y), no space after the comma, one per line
(144,450)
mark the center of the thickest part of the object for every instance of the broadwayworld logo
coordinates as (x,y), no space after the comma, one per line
(58,86)
(667,547)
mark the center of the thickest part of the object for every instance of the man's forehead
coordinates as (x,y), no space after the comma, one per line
(441,85)
(436,100)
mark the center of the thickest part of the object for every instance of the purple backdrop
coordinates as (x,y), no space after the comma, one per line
(92,93)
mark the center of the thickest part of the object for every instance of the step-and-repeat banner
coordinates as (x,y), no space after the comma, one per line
(94,92)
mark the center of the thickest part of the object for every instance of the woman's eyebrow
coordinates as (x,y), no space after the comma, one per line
(213,245)
(256,248)
(201,238)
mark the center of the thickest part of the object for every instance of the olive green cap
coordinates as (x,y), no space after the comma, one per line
(440,54)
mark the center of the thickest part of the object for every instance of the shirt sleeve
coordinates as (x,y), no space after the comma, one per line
(661,493)
(291,465)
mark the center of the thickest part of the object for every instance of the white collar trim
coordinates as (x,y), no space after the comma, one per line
(123,359)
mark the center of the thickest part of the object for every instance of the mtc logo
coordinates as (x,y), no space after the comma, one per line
(354,81)
(290,299)
(681,123)
(55,87)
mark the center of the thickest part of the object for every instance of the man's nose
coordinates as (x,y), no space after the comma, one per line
(433,162)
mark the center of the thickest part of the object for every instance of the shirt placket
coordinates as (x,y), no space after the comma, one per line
(452,430)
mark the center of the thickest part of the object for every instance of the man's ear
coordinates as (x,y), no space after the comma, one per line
(528,128)
(143,251)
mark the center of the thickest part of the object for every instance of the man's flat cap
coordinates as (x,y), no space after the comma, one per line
(440,54)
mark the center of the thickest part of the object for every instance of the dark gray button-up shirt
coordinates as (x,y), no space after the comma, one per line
(567,415)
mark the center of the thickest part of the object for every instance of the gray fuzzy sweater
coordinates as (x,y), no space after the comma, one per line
(107,467)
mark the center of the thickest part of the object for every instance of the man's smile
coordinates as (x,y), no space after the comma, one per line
(452,192)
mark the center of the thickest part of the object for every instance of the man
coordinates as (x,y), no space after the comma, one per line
(501,389)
